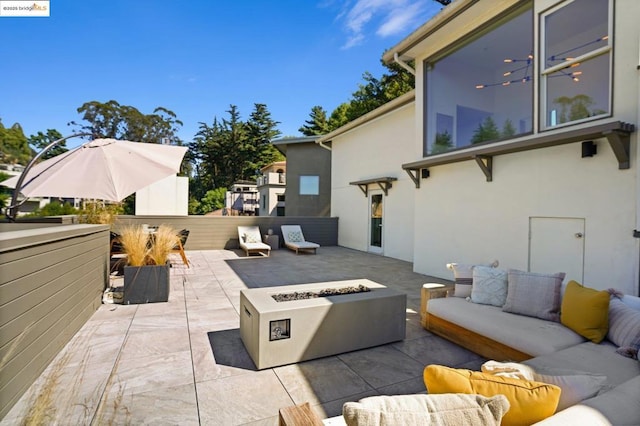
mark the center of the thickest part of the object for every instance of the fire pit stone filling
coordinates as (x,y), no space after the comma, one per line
(285,297)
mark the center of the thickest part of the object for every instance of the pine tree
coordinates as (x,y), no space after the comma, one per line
(317,123)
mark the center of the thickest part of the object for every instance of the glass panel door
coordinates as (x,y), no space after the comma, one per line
(375,222)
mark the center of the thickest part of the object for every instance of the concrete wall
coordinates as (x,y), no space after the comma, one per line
(375,149)
(308,159)
(169,196)
(461,217)
(51,282)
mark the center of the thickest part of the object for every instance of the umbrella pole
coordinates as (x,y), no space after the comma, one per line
(12,210)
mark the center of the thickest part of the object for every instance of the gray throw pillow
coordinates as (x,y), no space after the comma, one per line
(534,294)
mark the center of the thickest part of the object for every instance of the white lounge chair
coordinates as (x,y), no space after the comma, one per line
(294,239)
(251,241)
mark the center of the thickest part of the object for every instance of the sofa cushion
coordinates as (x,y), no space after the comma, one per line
(624,327)
(445,409)
(621,405)
(527,334)
(575,387)
(530,401)
(534,294)
(588,358)
(585,311)
(489,286)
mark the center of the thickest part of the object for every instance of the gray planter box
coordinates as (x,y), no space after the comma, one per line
(279,333)
(146,284)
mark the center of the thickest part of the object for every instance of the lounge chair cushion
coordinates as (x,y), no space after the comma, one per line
(425,409)
(295,237)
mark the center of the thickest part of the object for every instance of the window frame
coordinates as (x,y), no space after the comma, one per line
(545,71)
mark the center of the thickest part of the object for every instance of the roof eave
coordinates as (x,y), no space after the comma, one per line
(404,49)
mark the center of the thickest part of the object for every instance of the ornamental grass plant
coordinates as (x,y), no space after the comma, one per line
(143,248)
(163,241)
(135,245)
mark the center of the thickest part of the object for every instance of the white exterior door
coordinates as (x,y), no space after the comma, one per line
(556,244)
(376,216)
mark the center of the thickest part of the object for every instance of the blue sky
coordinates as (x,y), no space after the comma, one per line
(196,57)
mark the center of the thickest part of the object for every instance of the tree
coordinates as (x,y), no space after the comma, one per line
(261,130)
(213,200)
(112,120)
(317,123)
(14,146)
(340,116)
(41,140)
(370,95)
(229,150)
(486,131)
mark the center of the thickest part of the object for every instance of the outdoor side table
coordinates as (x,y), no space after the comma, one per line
(273,241)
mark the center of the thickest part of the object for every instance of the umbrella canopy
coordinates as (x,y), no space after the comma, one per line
(105,169)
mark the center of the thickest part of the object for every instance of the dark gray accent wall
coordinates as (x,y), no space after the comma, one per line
(51,282)
(221,232)
(308,159)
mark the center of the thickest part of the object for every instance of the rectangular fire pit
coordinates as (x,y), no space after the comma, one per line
(279,333)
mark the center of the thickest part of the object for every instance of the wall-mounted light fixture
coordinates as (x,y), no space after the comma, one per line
(589,149)
(424,173)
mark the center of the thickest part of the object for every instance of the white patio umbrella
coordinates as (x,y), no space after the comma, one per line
(105,169)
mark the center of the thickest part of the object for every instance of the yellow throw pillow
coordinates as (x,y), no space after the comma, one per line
(585,311)
(530,401)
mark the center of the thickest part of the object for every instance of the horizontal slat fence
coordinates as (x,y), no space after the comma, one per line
(221,232)
(51,282)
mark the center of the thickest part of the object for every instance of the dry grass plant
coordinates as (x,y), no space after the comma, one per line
(163,242)
(134,242)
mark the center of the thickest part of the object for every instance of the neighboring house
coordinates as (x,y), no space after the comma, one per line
(33,203)
(308,176)
(242,199)
(521,145)
(271,187)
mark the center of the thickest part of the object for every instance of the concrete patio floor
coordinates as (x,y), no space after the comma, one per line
(182,362)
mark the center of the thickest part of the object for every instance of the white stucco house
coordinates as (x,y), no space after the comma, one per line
(518,144)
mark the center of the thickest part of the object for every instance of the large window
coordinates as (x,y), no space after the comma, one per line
(483,91)
(576,62)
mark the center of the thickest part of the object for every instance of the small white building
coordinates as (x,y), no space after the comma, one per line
(242,199)
(271,185)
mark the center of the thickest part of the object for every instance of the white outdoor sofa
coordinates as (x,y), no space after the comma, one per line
(294,239)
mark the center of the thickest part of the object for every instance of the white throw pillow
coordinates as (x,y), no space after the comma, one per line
(489,286)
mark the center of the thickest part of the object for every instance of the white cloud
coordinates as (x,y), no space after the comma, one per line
(390,17)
